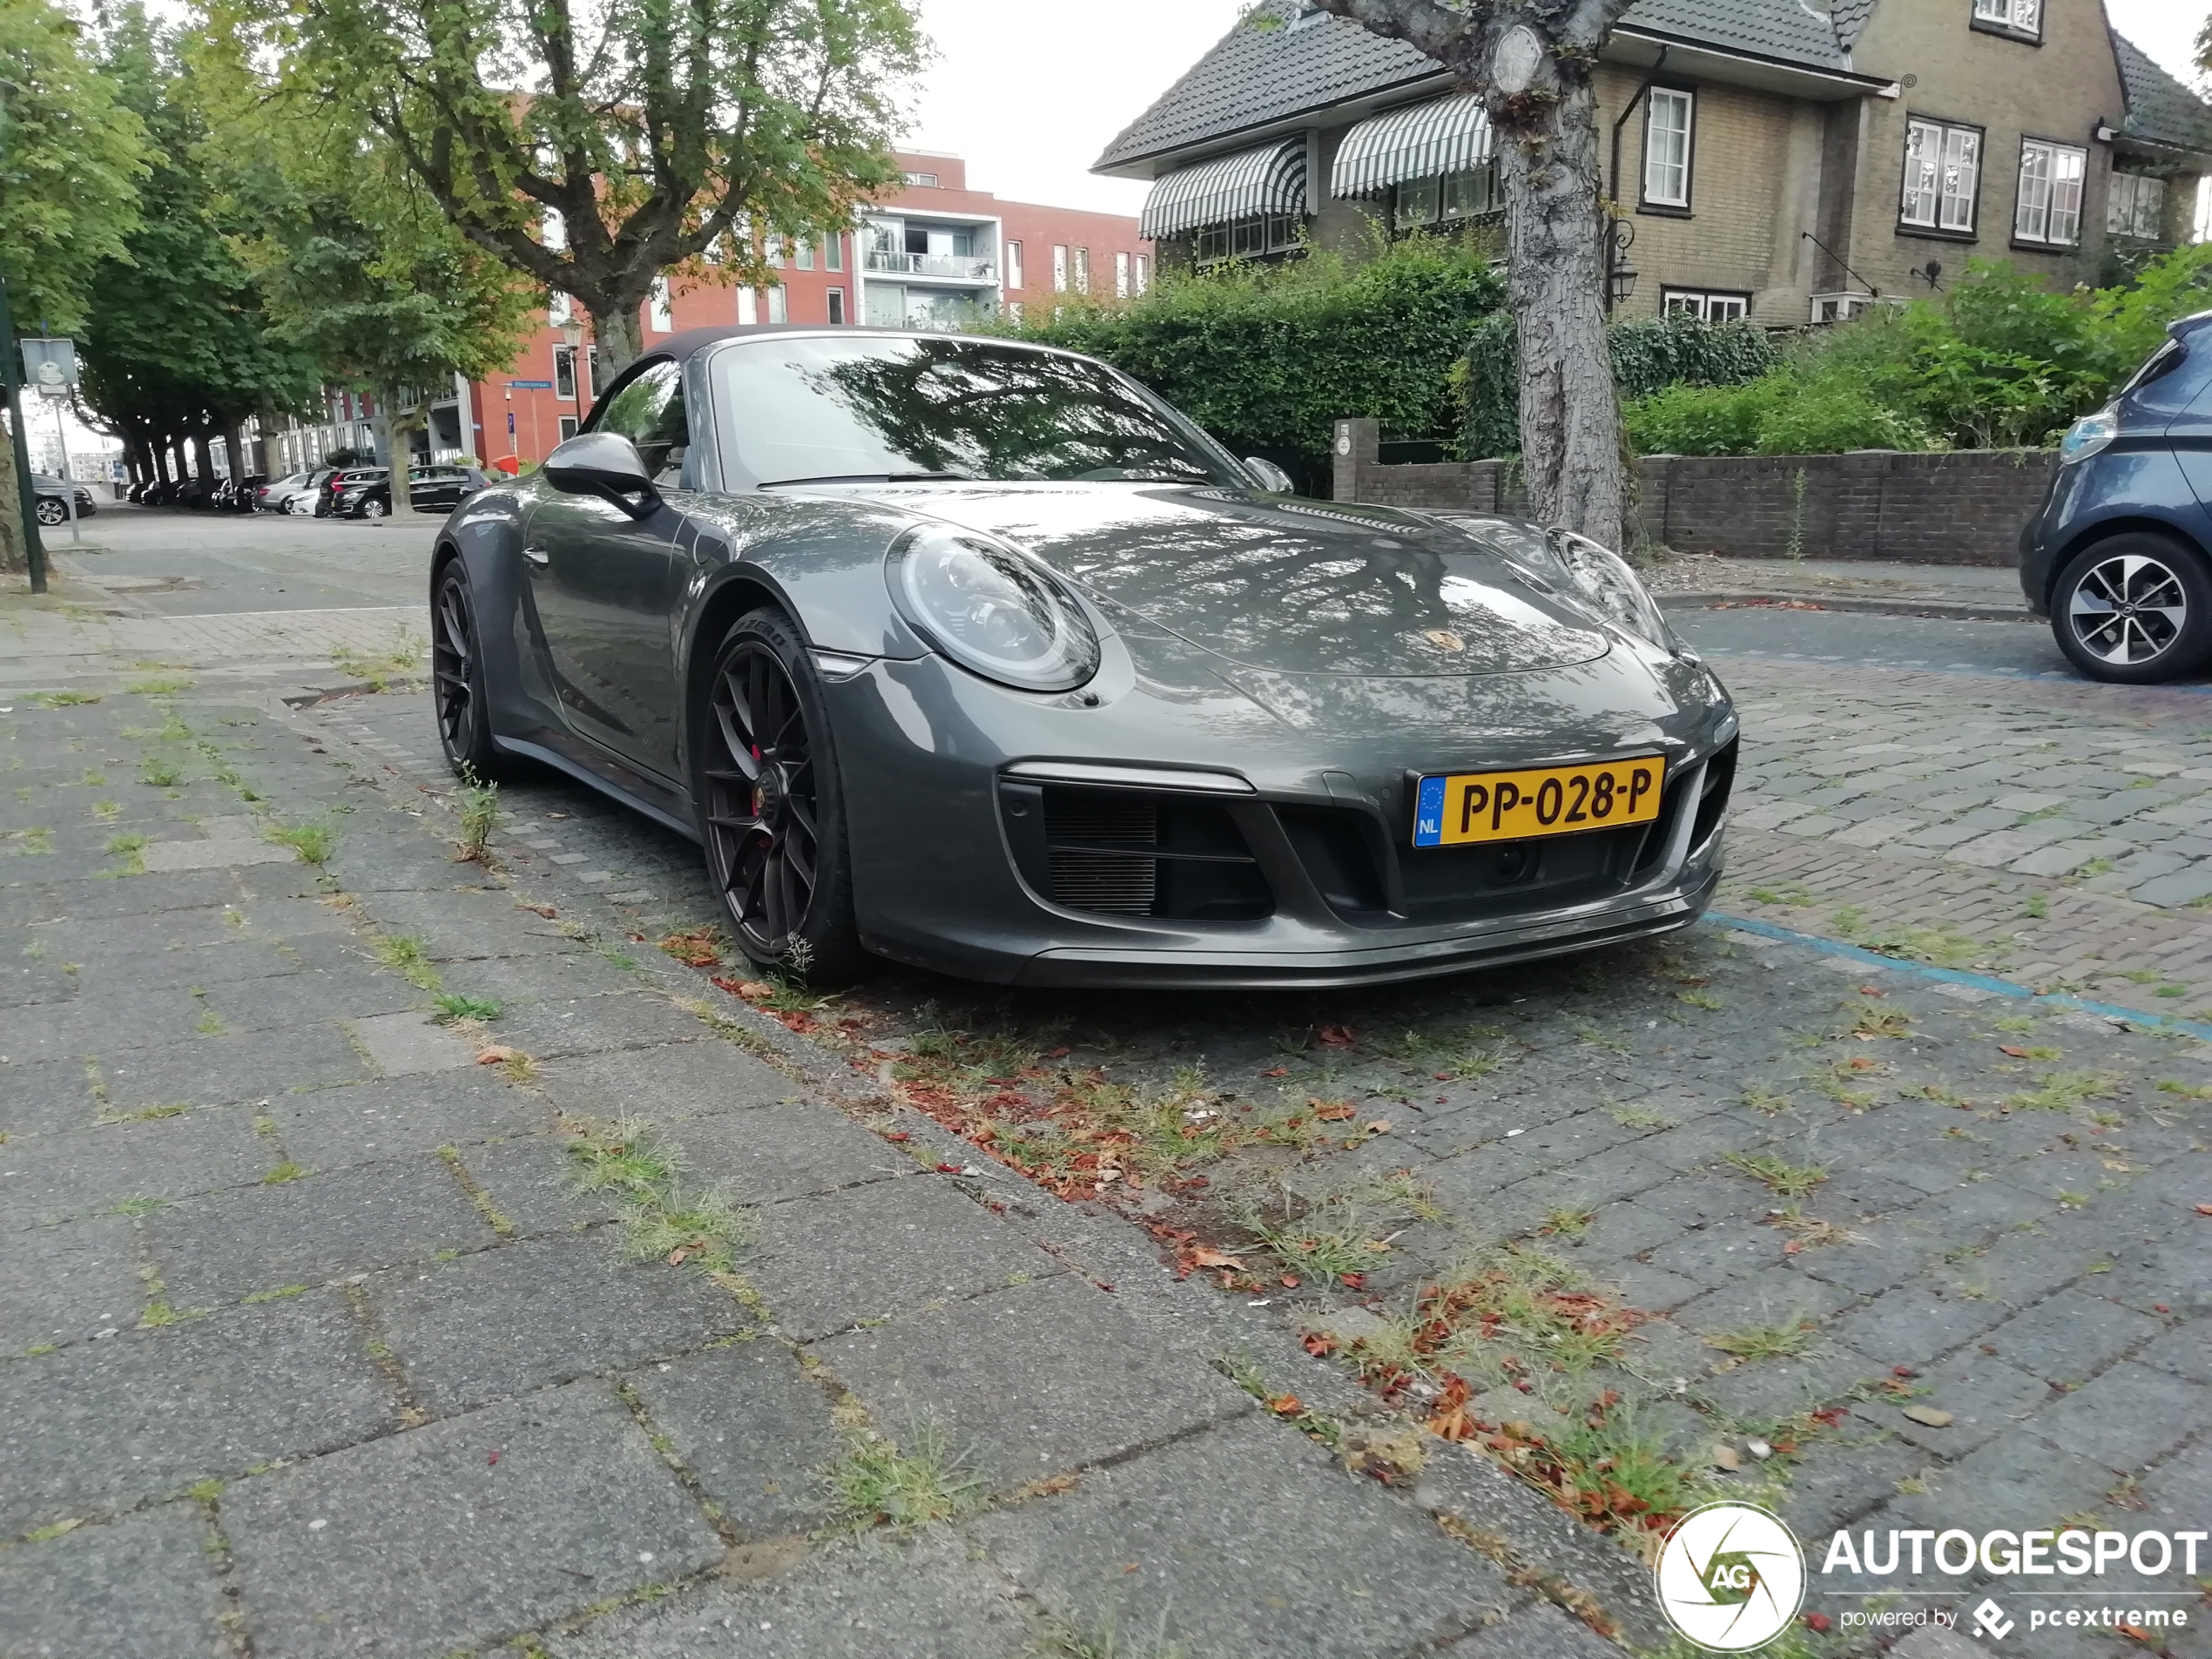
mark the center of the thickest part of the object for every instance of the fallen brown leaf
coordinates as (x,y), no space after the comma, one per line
(1337,1036)
(1327,1112)
(1205,1256)
(497,1055)
(1725,1456)
(1929,1416)
(2014,1049)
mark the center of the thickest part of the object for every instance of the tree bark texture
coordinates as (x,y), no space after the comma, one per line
(1546,145)
(620,337)
(15,553)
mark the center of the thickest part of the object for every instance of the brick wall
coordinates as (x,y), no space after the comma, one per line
(1962,507)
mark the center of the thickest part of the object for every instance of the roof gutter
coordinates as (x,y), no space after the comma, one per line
(1850,79)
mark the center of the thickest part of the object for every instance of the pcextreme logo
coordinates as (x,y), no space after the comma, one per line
(1730,1577)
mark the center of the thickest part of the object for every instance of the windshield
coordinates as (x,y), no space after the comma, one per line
(819,409)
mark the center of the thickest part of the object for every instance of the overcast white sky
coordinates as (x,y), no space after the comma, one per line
(1031,93)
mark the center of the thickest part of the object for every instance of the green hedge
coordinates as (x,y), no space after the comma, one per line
(1267,357)
(1648,355)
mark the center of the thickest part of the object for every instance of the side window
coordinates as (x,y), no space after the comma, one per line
(649,411)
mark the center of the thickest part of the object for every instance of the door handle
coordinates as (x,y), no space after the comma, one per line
(538,556)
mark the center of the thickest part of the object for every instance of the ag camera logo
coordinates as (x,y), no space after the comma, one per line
(1730,1577)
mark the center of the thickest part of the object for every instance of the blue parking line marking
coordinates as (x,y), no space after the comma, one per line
(1988,982)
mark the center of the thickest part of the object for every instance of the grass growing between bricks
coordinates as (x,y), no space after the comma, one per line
(877,1484)
(631,1162)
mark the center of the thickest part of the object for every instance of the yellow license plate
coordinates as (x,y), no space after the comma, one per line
(1545,801)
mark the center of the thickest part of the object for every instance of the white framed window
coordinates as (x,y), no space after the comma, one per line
(662,314)
(568,427)
(1942,187)
(748,307)
(922,180)
(2135,206)
(772,249)
(779,305)
(1705,304)
(1014,265)
(1121,276)
(559,308)
(1059,268)
(1143,272)
(833,252)
(553,230)
(837,306)
(2048,207)
(564,373)
(802,254)
(1670,114)
(1082,270)
(2023,16)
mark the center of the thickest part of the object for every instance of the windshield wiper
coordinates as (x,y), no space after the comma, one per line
(875,478)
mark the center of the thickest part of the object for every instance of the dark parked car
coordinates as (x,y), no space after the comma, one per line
(53,498)
(245,494)
(330,498)
(2119,557)
(437,489)
(977,655)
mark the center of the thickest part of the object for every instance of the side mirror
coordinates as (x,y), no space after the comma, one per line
(604,463)
(1270,476)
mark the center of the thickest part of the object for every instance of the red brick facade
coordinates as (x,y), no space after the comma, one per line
(831,285)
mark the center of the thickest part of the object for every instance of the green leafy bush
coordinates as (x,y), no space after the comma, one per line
(1650,354)
(1267,357)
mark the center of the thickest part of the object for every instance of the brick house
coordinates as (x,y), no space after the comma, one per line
(1772,159)
(933,254)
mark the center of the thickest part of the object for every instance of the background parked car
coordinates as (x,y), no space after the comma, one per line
(432,489)
(244,492)
(270,497)
(303,498)
(326,498)
(53,505)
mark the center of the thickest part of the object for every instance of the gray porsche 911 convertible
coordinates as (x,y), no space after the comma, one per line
(978,656)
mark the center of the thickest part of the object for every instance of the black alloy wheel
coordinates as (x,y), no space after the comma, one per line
(2135,609)
(457,678)
(772,807)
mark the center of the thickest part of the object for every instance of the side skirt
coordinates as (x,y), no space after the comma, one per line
(664,814)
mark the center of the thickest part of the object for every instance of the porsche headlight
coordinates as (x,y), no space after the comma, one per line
(1604,580)
(991,610)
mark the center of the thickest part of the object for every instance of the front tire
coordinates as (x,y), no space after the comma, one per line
(772,805)
(51,512)
(457,678)
(2135,609)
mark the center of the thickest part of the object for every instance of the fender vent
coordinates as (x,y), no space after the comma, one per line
(1133,853)
(1084,828)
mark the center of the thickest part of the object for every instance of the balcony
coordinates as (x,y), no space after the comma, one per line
(955,267)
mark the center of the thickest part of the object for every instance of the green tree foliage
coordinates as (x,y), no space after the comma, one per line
(1267,357)
(1998,362)
(655,133)
(71,155)
(178,344)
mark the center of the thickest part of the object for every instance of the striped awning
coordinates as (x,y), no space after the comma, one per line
(1447,135)
(1246,185)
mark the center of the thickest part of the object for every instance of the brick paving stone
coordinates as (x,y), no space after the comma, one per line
(540,1312)
(103,1425)
(328,1128)
(401,1045)
(64,1283)
(1196,1521)
(2071,1336)
(754,1428)
(423,1543)
(52,1178)
(2126,1416)
(2180,887)
(1071,1384)
(145,1585)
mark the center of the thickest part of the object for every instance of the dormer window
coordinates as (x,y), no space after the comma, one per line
(2022,19)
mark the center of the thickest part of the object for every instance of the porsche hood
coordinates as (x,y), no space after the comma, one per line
(1293,587)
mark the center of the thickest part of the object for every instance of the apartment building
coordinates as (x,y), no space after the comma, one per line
(1788,161)
(933,255)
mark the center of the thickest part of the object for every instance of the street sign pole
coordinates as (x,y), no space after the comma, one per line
(69,483)
(24,493)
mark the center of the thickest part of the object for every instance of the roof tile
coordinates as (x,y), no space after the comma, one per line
(2160,109)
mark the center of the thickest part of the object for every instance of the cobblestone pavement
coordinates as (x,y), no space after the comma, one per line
(329,1329)
(1837,1182)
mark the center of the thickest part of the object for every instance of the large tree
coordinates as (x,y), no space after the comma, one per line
(595,145)
(178,348)
(70,158)
(1531,62)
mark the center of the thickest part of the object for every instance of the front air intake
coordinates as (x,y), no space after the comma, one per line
(1133,853)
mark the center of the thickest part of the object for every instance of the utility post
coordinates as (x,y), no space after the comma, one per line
(11,371)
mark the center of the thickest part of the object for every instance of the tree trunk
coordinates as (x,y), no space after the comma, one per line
(15,553)
(1570,414)
(203,458)
(621,340)
(398,448)
(270,464)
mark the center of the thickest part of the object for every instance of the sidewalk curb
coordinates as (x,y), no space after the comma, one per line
(1948,610)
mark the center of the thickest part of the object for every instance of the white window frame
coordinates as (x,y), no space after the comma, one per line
(1082,270)
(568,427)
(802,253)
(2020,17)
(835,300)
(559,308)
(778,304)
(833,252)
(2047,210)
(564,369)
(1706,304)
(1668,145)
(1121,276)
(1059,268)
(1941,189)
(748,307)
(2136,200)
(1143,274)
(661,307)
(1014,265)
